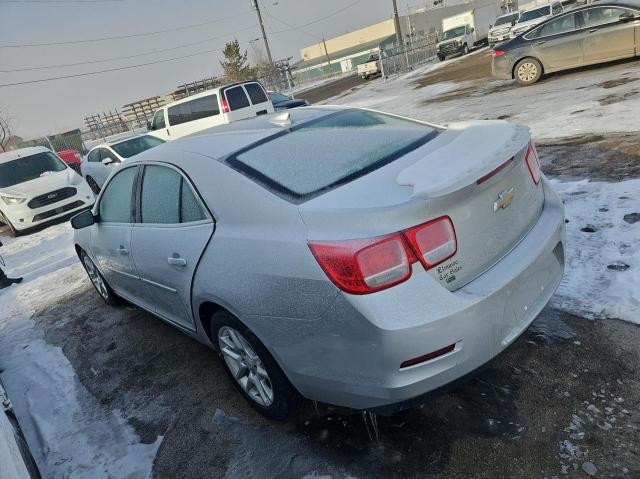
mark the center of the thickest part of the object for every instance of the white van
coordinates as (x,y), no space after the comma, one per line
(215,107)
(36,187)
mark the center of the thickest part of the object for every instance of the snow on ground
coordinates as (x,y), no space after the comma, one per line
(571,104)
(602,278)
(69,433)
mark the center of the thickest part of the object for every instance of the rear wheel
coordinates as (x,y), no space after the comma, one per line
(252,369)
(528,71)
(93,185)
(99,283)
(441,57)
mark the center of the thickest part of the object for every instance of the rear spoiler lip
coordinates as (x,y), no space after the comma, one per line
(474,153)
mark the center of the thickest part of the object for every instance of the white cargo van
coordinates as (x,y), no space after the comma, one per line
(463,31)
(215,107)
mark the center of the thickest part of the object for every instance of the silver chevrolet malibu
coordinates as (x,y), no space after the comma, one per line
(339,254)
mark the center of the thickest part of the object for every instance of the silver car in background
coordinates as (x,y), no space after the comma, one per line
(339,254)
(102,159)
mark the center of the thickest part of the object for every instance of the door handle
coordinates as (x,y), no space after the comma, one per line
(177,261)
(122,250)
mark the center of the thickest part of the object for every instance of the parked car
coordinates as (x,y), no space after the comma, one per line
(339,255)
(219,106)
(500,29)
(36,187)
(102,159)
(371,67)
(71,158)
(535,16)
(596,33)
(463,31)
(283,102)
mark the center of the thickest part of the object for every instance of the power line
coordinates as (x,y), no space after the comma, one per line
(109,69)
(319,19)
(127,57)
(118,37)
(271,15)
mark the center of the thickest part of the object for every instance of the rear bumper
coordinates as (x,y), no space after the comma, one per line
(502,67)
(353,358)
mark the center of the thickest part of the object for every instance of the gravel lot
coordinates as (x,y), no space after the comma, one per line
(563,401)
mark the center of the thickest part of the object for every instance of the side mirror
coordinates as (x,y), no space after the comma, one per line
(107,161)
(472,29)
(82,220)
(149,126)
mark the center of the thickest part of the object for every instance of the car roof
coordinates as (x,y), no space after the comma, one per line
(115,142)
(21,153)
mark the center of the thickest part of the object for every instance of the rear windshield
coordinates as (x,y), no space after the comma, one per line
(29,168)
(129,148)
(537,13)
(316,156)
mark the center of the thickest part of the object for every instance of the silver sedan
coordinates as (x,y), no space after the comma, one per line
(338,254)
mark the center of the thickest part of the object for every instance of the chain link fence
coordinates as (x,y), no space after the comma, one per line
(399,60)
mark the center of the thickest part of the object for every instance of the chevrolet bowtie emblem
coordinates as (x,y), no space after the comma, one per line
(504,200)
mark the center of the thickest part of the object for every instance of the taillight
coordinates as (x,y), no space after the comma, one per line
(533,163)
(497,53)
(433,242)
(370,265)
(78,157)
(225,105)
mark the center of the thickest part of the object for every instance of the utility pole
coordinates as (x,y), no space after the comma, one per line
(396,23)
(326,52)
(264,34)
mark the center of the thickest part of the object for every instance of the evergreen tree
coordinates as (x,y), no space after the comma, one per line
(236,66)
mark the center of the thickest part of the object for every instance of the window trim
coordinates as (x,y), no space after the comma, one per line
(209,218)
(189,102)
(578,28)
(636,13)
(132,205)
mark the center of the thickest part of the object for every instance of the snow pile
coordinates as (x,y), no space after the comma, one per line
(451,167)
(602,277)
(70,434)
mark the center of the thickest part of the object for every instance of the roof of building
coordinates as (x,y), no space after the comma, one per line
(351,51)
(22,152)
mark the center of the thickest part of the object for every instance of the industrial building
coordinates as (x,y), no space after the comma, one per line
(344,53)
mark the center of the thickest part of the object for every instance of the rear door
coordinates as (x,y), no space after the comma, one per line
(172,229)
(259,99)
(558,43)
(608,37)
(240,105)
(111,236)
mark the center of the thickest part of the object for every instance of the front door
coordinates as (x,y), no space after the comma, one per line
(168,239)
(608,36)
(558,44)
(111,235)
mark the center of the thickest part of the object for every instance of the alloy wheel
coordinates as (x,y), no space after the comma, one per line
(527,72)
(245,366)
(95,277)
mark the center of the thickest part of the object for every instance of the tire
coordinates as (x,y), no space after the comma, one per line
(465,49)
(441,58)
(93,185)
(528,71)
(98,281)
(244,356)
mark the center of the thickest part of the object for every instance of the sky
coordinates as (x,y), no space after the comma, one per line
(60,105)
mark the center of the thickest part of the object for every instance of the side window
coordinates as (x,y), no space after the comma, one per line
(204,107)
(167,198)
(158,120)
(256,93)
(94,156)
(601,16)
(236,98)
(564,24)
(179,114)
(106,154)
(115,203)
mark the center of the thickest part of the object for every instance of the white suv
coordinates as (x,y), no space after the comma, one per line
(36,186)
(534,16)
(212,108)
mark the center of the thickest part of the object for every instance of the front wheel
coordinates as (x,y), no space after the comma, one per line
(528,71)
(465,49)
(251,368)
(99,283)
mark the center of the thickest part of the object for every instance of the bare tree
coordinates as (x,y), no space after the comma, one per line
(5,131)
